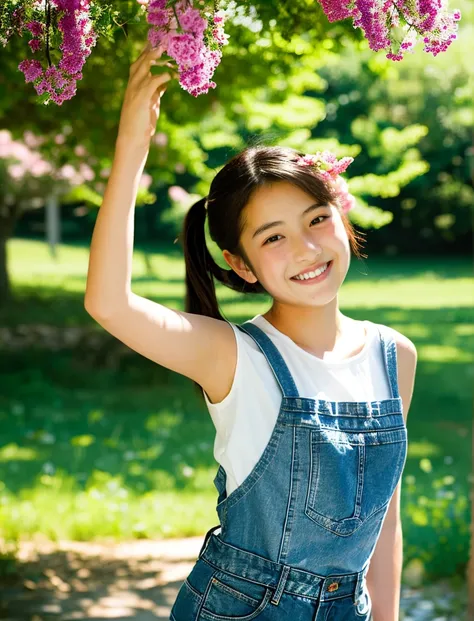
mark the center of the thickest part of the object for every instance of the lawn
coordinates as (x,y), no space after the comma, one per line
(98,442)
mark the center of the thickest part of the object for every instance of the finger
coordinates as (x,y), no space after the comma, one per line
(144,51)
(147,51)
(150,48)
(172,69)
(163,63)
(158,93)
(156,52)
(141,66)
(159,81)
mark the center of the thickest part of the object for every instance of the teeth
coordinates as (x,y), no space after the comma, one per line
(312,274)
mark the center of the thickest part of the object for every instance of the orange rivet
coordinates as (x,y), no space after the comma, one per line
(333,586)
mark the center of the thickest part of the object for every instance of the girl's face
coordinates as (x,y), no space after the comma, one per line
(285,234)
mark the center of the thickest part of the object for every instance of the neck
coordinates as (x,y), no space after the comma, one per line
(317,330)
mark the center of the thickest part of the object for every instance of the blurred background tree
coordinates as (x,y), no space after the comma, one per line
(288,76)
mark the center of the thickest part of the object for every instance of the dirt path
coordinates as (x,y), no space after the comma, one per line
(137,580)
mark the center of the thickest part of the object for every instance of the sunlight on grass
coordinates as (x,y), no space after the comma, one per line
(419,449)
(18,453)
(415,292)
(57,508)
(445,353)
(91,450)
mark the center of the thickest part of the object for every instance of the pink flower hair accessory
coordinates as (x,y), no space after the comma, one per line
(330,169)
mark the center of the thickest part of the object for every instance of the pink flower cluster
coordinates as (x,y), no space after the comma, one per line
(330,169)
(78,39)
(192,37)
(380,19)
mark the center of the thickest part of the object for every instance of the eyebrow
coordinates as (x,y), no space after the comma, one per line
(269,225)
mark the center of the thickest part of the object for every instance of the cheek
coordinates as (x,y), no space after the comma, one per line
(274,262)
(340,235)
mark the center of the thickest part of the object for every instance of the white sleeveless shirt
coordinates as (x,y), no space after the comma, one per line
(245,418)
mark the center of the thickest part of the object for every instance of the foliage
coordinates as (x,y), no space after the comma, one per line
(270,85)
(406,125)
(417,113)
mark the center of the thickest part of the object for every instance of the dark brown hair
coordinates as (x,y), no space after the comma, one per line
(230,192)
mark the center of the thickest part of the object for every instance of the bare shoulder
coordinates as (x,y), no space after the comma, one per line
(196,346)
(407,354)
(407,357)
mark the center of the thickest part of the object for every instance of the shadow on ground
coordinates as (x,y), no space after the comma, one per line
(138,580)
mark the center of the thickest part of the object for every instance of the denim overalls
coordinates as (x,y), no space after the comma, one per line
(297,534)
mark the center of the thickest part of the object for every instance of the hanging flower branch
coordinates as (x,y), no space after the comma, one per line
(78,37)
(191,33)
(382,20)
(192,37)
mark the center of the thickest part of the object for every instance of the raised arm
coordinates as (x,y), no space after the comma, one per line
(177,340)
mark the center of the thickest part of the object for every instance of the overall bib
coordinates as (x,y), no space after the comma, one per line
(298,533)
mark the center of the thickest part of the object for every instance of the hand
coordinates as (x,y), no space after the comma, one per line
(141,104)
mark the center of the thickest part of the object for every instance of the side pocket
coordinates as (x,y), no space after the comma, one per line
(190,595)
(187,604)
(235,597)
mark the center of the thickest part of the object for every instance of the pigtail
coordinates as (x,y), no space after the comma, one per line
(201,267)
(200,290)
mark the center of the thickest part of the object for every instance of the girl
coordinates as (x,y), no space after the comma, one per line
(310,426)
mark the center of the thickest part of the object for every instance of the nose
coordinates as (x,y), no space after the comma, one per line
(306,249)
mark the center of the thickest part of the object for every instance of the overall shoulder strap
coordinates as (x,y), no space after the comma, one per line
(389,348)
(274,359)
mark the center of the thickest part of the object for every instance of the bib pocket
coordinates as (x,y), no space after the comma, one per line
(352,475)
(233,598)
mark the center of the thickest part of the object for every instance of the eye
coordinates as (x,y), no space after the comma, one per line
(270,239)
(323,217)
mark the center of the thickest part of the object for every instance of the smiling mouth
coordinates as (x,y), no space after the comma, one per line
(302,279)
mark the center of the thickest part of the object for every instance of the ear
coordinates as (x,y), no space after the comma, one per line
(239,266)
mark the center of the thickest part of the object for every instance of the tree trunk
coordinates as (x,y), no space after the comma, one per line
(8,217)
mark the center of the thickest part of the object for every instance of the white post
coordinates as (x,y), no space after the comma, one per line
(53,223)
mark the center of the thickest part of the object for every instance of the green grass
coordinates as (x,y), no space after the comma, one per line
(94,444)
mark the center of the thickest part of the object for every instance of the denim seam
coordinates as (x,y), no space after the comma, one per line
(289,514)
(353,404)
(329,610)
(245,598)
(234,575)
(338,598)
(204,596)
(339,521)
(259,470)
(260,608)
(191,588)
